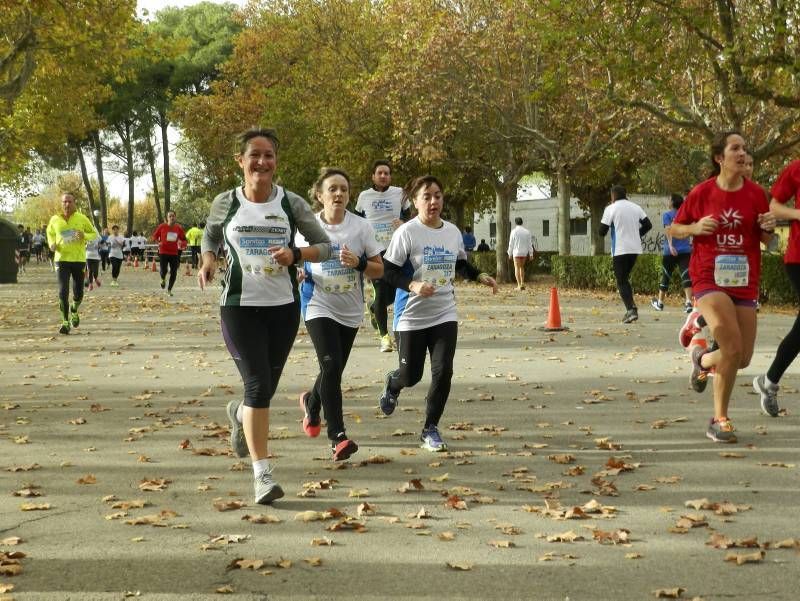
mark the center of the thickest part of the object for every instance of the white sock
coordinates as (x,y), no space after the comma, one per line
(240,413)
(260,466)
(768,383)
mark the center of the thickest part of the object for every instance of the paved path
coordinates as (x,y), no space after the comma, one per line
(537,424)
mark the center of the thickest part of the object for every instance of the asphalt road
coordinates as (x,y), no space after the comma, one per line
(600,417)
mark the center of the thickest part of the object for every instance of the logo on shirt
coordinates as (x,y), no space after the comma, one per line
(730,219)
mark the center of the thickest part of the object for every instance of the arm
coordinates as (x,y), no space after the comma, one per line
(706,225)
(644,226)
(319,246)
(213,237)
(781,211)
(374,268)
(89,233)
(603,230)
(393,274)
(51,235)
(469,272)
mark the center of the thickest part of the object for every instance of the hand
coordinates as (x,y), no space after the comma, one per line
(423,289)
(672,251)
(767,221)
(396,223)
(488,280)
(205,274)
(348,258)
(78,234)
(282,255)
(706,225)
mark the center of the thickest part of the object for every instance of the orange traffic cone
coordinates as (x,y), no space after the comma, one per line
(188,269)
(153,266)
(554,315)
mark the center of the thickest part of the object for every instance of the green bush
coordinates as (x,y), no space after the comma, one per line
(597,273)
(487,262)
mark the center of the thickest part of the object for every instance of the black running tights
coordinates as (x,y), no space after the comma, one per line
(790,345)
(67,270)
(332,342)
(173,262)
(623,265)
(440,342)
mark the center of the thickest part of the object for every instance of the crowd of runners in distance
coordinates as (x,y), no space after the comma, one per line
(285,261)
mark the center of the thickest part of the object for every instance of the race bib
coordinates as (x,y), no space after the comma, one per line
(172,236)
(438,267)
(68,236)
(731,271)
(383,233)
(334,278)
(256,258)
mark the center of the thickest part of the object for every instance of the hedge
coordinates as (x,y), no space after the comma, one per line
(597,273)
(487,262)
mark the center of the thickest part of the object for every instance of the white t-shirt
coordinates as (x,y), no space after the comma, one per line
(624,218)
(126,244)
(140,241)
(115,244)
(380,209)
(92,249)
(520,242)
(330,289)
(431,255)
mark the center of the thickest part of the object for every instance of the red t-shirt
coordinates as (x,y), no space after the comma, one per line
(783,190)
(730,258)
(167,237)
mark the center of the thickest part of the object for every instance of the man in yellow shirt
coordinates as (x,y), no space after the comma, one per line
(194,236)
(67,234)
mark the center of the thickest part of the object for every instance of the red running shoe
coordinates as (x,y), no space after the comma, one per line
(310,425)
(689,329)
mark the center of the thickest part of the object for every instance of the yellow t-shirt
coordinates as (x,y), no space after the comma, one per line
(63,234)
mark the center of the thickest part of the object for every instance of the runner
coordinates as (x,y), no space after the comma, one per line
(67,234)
(93,263)
(332,301)
(39,240)
(422,259)
(115,245)
(169,236)
(385,207)
(520,250)
(260,310)
(126,247)
(786,188)
(628,223)
(729,217)
(103,248)
(675,254)
(24,240)
(194,237)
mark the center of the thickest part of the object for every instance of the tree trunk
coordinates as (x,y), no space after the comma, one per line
(564,193)
(151,159)
(86,183)
(504,193)
(125,136)
(596,207)
(162,119)
(98,162)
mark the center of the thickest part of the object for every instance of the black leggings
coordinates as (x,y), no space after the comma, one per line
(384,296)
(93,270)
(259,339)
(195,256)
(790,345)
(623,265)
(440,341)
(116,265)
(668,265)
(332,342)
(104,260)
(67,270)
(174,262)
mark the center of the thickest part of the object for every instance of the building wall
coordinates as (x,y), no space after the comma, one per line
(535,213)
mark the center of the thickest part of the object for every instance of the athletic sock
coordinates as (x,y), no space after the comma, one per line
(240,413)
(260,466)
(769,383)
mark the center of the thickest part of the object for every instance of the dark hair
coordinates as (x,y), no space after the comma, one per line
(619,192)
(718,144)
(324,174)
(423,182)
(379,163)
(243,139)
(115,227)
(677,201)
(518,220)
(468,229)
(202,224)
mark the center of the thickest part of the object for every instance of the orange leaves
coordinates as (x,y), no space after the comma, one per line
(87,479)
(613,538)
(262,518)
(228,505)
(411,485)
(455,502)
(154,484)
(743,558)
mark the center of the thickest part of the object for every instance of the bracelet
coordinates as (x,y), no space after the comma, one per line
(362,264)
(297,254)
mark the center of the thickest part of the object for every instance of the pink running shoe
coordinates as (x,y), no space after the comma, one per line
(689,329)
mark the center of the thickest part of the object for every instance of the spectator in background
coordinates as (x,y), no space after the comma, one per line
(676,253)
(483,247)
(520,250)
(469,239)
(194,236)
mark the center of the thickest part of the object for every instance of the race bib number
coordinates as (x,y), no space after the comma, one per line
(731,271)
(383,233)
(438,267)
(172,236)
(334,278)
(256,258)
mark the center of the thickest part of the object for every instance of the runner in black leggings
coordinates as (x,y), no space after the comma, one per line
(786,188)
(332,298)
(422,259)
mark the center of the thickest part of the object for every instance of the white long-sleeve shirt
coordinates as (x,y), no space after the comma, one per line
(520,243)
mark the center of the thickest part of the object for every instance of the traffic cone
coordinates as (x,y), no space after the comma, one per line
(554,315)
(188,269)
(153,266)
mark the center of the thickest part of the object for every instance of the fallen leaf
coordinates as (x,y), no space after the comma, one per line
(313,561)
(35,506)
(231,505)
(463,566)
(669,593)
(320,542)
(87,479)
(501,544)
(743,558)
(447,536)
(564,537)
(262,518)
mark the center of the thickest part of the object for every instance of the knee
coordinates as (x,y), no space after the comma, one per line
(407,379)
(331,368)
(257,392)
(732,353)
(442,373)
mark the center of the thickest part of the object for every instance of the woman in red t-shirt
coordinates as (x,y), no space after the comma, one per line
(786,188)
(728,216)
